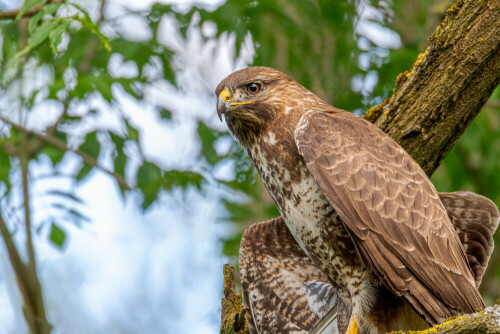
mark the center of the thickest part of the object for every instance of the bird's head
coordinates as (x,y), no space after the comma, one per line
(251,98)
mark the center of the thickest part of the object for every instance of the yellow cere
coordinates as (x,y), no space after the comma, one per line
(353,327)
(225,95)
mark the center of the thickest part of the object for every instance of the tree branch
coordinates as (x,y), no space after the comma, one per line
(438,98)
(234,320)
(32,284)
(448,85)
(12,14)
(54,141)
(485,321)
(20,270)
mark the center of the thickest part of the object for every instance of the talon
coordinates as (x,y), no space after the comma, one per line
(353,327)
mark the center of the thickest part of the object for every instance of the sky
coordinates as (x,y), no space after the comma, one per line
(128,272)
(158,272)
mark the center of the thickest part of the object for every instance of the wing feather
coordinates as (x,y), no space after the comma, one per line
(284,290)
(395,215)
(475,218)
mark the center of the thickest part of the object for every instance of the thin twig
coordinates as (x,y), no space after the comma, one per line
(86,63)
(24,161)
(12,14)
(32,283)
(101,14)
(19,270)
(54,141)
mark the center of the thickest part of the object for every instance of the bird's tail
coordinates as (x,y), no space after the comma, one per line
(475,218)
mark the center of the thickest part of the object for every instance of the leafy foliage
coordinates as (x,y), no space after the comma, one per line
(65,39)
(57,235)
(316,42)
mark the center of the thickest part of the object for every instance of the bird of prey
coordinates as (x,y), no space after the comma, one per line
(287,293)
(359,207)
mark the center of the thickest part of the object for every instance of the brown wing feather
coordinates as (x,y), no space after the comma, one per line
(284,290)
(475,218)
(392,210)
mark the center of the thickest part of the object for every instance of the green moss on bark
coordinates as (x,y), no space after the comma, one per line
(233,317)
(484,321)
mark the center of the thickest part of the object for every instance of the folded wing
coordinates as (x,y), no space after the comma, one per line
(283,289)
(393,212)
(268,245)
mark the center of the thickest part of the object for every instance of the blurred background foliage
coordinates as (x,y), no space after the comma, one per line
(318,44)
(58,53)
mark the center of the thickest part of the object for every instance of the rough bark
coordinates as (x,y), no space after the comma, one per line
(483,322)
(233,318)
(435,101)
(449,83)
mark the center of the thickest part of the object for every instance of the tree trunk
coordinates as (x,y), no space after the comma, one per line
(451,80)
(431,107)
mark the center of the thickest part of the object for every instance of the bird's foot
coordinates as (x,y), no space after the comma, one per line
(353,327)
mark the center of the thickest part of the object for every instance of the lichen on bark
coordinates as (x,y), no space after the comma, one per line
(450,81)
(233,317)
(486,321)
(432,105)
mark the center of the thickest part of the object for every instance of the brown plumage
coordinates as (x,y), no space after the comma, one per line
(358,205)
(275,270)
(274,273)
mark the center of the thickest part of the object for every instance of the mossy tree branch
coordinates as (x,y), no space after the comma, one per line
(483,322)
(234,320)
(438,98)
(448,85)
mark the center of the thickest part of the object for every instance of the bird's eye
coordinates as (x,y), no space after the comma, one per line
(253,88)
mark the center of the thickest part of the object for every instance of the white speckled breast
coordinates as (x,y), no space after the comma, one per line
(312,220)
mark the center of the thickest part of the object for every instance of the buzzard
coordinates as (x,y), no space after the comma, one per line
(287,293)
(359,207)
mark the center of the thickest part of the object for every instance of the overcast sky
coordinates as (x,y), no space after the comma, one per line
(159,272)
(127,272)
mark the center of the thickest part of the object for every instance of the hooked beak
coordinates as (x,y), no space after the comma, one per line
(222,107)
(224,104)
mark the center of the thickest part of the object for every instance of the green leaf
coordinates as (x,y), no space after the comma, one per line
(87,23)
(48,9)
(148,174)
(9,64)
(91,145)
(5,166)
(99,81)
(165,114)
(208,137)
(84,171)
(56,35)
(119,157)
(28,4)
(133,133)
(54,153)
(149,181)
(182,179)
(57,235)
(39,35)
